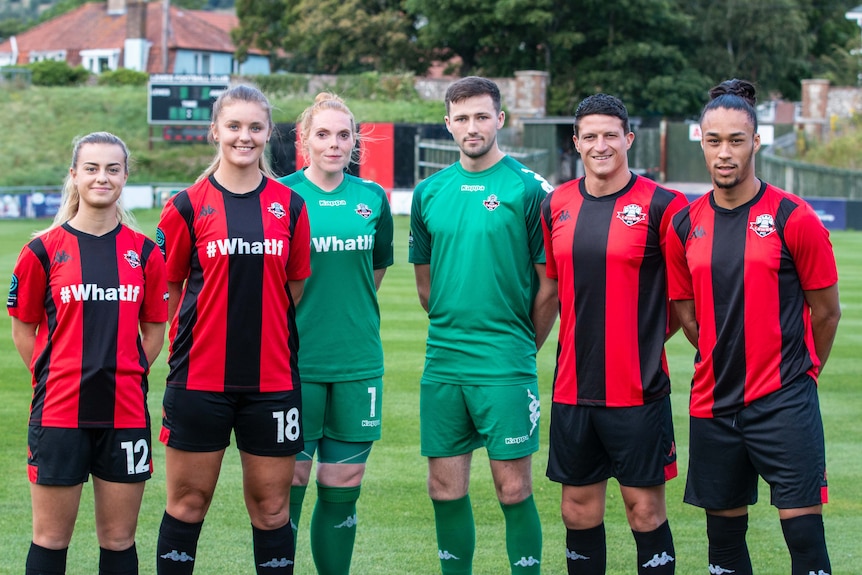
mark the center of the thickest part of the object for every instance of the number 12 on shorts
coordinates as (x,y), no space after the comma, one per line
(131,448)
(287,425)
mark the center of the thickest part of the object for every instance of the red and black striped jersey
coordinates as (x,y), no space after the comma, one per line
(88,295)
(746,269)
(235,326)
(607,255)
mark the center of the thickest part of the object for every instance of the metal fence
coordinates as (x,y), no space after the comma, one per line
(803,179)
(434,155)
(21,77)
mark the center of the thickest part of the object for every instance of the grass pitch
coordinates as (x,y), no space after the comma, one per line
(396,524)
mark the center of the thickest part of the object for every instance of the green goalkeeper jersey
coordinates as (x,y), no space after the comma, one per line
(338,319)
(481,234)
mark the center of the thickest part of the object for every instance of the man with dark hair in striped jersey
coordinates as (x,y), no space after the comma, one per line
(753,278)
(611,413)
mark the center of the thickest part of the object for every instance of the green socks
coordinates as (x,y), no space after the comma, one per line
(523,536)
(456,535)
(333,529)
(297,495)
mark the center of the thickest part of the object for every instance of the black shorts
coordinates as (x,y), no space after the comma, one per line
(592,444)
(266,424)
(778,437)
(64,456)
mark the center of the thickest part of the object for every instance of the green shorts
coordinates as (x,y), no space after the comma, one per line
(346,411)
(456,419)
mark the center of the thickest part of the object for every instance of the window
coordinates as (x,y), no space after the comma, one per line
(202,63)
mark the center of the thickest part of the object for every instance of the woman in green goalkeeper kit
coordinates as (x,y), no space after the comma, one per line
(341,361)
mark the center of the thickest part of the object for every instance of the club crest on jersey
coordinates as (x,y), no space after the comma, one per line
(363,211)
(133,258)
(491,203)
(763,225)
(277,210)
(632,214)
(61,257)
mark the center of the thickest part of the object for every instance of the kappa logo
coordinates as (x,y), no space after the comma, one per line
(363,210)
(659,560)
(491,202)
(546,186)
(472,188)
(61,257)
(526,562)
(175,555)
(718,570)
(575,556)
(206,210)
(276,563)
(697,232)
(446,556)
(349,522)
(535,411)
(763,225)
(133,258)
(277,210)
(632,214)
(564,216)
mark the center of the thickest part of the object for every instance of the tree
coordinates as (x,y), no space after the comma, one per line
(637,50)
(491,37)
(260,26)
(835,53)
(764,42)
(349,36)
(10,27)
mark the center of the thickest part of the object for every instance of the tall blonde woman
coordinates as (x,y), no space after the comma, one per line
(237,251)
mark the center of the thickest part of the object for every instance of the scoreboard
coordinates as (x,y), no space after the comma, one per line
(177,99)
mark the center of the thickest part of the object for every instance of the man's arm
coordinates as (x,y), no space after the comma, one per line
(545,306)
(378,277)
(825,313)
(685,313)
(423,283)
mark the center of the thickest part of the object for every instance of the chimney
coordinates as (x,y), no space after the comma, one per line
(136,20)
(116,7)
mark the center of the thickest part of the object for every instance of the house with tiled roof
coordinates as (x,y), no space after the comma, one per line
(152,37)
